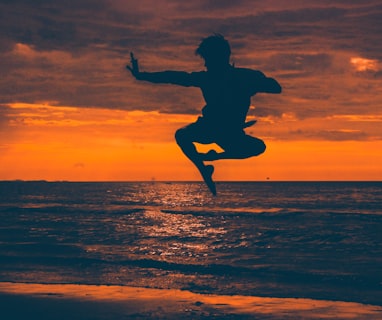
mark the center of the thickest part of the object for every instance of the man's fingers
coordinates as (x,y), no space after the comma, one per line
(133,67)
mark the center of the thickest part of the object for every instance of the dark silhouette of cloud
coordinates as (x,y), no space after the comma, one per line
(331,135)
(73,52)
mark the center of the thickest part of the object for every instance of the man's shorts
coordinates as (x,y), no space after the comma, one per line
(225,136)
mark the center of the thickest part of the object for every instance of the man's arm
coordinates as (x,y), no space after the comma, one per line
(270,85)
(173,77)
(261,83)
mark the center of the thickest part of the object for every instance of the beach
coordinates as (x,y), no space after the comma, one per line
(68,301)
(172,251)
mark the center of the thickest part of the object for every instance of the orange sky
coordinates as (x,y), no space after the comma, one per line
(68,143)
(70,111)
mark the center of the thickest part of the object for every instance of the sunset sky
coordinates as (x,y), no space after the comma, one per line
(69,110)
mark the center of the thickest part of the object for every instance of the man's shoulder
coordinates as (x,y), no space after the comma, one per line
(248,72)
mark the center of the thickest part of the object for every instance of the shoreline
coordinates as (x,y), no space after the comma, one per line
(77,301)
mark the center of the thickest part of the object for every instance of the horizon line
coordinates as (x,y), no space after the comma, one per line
(176,181)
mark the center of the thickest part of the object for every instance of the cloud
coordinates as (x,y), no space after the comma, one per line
(44,122)
(79,165)
(73,53)
(300,64)
(331,135)
(4,116)
(361,64)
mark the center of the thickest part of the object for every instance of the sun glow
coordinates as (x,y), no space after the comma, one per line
(362,64)
(90,144)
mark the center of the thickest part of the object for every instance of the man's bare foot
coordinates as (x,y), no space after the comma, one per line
(211,155)
(206,172)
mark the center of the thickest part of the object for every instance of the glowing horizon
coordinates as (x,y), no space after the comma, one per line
(85,144)
(70,111)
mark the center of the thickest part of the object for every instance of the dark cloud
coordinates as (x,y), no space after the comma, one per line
(212,7)
(74,52)
(67,25)
(330,135)
(304,63)
(265,111)
(263,25)
(4,114)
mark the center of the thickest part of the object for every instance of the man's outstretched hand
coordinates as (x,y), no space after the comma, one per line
(133,67)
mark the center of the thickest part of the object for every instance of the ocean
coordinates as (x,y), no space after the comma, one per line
(318,240)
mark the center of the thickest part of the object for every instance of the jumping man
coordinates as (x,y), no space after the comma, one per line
(227,91)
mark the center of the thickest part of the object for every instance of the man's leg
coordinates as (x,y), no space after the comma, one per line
(185,138)
(244,146)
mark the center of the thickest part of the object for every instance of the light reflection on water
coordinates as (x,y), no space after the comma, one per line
(167,194)
(178,235)
(165,235)
(344,197)
(155,234)
(252,236)
(178,225)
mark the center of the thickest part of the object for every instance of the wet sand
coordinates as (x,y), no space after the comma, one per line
(71,301)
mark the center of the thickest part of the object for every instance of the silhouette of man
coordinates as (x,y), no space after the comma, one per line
(227,91)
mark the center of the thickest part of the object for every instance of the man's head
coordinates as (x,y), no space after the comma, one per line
(215,50)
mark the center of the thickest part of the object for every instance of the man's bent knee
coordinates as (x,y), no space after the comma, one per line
(261,147)
(180,136)
(256,147)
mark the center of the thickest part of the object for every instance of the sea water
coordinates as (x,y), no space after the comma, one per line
(320,240)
